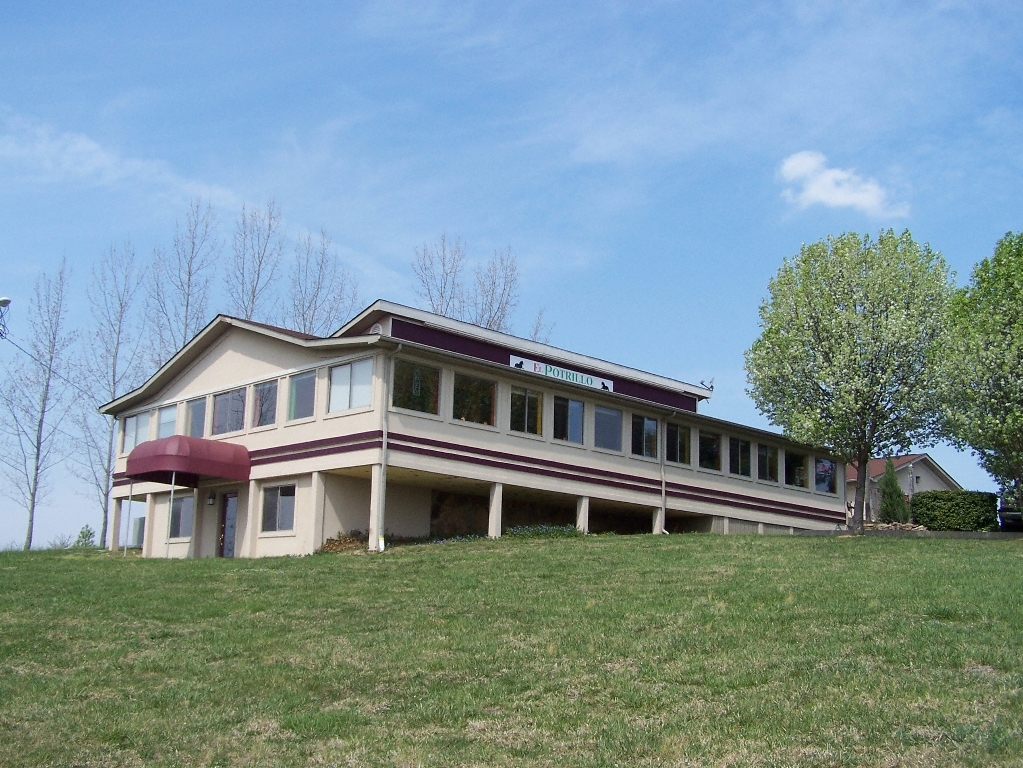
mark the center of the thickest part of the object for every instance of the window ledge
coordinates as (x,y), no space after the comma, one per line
(303,420)
(608,451)
(474,425)
(743,478)
(264,428)
(569,444)
(348,412)
(221,435)
(180,540)
(771,483)
(706,471)
(420,414)
(647,459)
(277,534)
(527,435)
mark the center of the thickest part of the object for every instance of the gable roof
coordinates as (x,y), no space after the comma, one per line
(876,467)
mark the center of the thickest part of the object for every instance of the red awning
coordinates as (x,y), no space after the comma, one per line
(191,458)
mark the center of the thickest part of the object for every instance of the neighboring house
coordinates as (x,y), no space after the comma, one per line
(407,424)
(916,472)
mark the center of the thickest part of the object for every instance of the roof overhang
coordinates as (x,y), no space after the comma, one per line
(186,461)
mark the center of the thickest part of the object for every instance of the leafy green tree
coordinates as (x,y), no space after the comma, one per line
(984,366)
(894,508)
(849,337)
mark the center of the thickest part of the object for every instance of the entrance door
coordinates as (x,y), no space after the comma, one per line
(228,524)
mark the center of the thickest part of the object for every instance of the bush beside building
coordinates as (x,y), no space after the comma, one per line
(956,510)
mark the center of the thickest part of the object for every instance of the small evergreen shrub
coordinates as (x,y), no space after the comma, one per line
(956,510)
(894,508)
(542,531)
(86,537)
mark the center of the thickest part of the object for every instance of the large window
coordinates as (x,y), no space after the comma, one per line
(795,469)
(644,436)
(739,461)
(473,400)
(607,428)
(678,444)
(710,450)
(824,477)
(279,508)
(416,387)
(166,421)
(195,415)
(568,420)
(302,400)
(351,386)
(264,404)
(229,411)
(136,430)
(526,411)
(181,517)
(767,463)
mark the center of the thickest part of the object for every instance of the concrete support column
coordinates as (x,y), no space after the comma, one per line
(496,502)
(150,530)
(724,525)
(582,514)
(252,523)
(115,525)
(197,513)
(658,520)
(319,500)
(377,505)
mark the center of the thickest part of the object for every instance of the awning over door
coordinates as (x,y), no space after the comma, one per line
(188,460)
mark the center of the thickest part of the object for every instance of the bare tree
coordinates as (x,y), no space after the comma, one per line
(322,294)
(179,282)
(438,272)
(494,293)
(110,365)
(541,328)
(35,398)
(257,247)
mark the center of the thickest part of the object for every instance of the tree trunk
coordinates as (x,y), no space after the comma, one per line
(862,469)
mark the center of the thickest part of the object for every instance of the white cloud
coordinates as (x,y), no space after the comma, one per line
(833,187)
(34,152)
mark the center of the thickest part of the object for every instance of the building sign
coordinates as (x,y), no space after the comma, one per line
(562,374)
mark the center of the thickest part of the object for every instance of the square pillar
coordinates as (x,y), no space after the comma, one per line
(658,520)
(496,502)
(252,523)
(197,512)
(377,505)
(319,500)
(582,514)
(150,530)
(114,526)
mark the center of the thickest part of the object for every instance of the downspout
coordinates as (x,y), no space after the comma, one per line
(386,408)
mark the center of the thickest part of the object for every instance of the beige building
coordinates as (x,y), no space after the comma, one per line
(256,441)
(915,471)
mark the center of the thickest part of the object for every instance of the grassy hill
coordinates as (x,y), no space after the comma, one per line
(596,651)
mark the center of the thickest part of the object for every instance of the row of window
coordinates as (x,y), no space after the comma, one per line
(417,388)
(278,511)
(351,386)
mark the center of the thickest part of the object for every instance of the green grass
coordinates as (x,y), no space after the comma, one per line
(596,651)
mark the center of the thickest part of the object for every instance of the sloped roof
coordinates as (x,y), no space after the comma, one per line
(876,467)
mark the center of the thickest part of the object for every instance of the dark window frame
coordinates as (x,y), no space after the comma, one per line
(272,508)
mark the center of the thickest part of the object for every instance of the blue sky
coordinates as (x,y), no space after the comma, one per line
(650,164)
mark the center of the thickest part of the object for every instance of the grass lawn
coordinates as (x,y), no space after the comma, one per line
(596,651)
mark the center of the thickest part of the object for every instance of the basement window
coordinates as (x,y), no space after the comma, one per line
(279,508)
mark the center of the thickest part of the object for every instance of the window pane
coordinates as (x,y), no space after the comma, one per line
(473,400)
(767,463)
(181,517)
(678,444)
(607,428)
(196,414)
(286,508)
(710,450)
(739,457)
(526,411)
(270,509)
(362,383)
(229,411)
(824,479)
(340,389)
(416,387)
(166,421)
(264,405)
(129,434)
(303,396)
(795,469)
(568,420)
(644,436)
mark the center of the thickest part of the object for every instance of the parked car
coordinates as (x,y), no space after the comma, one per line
(1009,518)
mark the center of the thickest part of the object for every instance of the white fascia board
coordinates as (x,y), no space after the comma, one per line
(523,345)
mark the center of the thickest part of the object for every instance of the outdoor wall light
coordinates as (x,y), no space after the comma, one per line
(211,499)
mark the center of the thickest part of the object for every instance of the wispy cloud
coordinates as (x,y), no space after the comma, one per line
(817,184)
(37,153)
